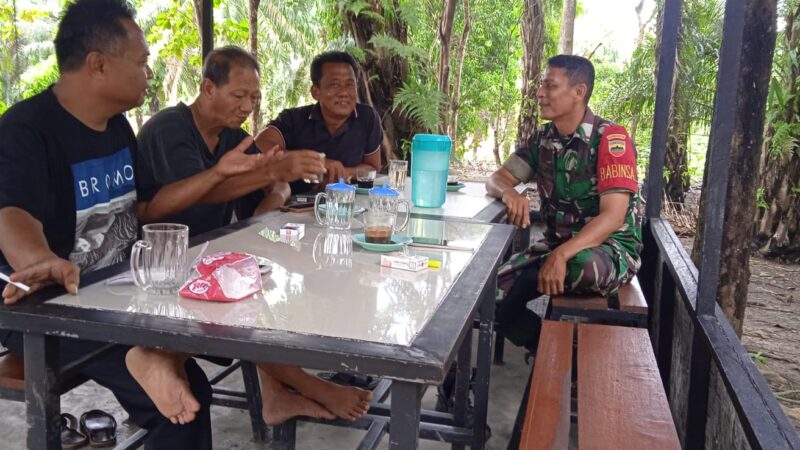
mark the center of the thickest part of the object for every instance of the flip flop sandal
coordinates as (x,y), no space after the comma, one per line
(70,436)
(100,427)
(367,382)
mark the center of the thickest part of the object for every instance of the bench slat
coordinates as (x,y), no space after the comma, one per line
(547,418)
(594,302)
(621,401)
(12,371)
(631,297)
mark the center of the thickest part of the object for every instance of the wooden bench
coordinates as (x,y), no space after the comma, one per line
(629,306)
(621,402)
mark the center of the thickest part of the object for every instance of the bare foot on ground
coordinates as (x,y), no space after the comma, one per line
(280,404)
(163,377)
(346,402)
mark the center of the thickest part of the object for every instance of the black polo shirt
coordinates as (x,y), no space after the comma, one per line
(304,128)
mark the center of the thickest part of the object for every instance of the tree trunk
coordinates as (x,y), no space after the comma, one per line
(198,16)
(567,34)
(445,36)
(675,158)
(255,116)
(778,223)
(382,74)
(461,54)
(751,98)
(532,48)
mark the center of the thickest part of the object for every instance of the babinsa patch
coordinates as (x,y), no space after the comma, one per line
(616,144)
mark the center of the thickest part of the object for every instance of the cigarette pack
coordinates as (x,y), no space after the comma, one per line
(398,260)
(293,231)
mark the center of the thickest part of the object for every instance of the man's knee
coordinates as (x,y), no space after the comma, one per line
(591,271)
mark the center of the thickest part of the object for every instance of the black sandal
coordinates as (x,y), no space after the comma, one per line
(71,438)
(100,427)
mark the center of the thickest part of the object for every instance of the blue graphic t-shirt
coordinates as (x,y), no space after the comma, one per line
(105,192)
(78,182)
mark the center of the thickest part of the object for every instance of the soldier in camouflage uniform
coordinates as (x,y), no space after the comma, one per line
(585,170)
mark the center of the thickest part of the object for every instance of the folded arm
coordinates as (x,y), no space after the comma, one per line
(502,185)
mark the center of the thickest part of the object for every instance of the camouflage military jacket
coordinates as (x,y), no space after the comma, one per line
(572,172)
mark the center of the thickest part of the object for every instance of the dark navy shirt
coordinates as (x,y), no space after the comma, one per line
(304,128)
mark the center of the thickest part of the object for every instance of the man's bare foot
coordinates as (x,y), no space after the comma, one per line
(347,402)
(162,376)
(280,404)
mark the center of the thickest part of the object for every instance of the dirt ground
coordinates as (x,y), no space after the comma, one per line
(772,316)
(772,327)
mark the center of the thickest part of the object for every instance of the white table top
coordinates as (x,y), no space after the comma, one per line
(465,203)
(325,285)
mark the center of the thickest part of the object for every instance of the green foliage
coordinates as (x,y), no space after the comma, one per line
(395,47)
(38,77)
(421,103)
(758,358)
(761,202)
(785,138)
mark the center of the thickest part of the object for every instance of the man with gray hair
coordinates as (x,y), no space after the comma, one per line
(195,162)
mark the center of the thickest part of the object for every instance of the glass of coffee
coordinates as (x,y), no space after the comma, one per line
(365,177)
(378,227)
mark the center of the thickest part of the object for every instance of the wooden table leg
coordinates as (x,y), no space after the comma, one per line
(42,402)
(484,364)
(461,387)
(404,425)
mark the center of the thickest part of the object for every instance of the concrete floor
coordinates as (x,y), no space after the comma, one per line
(231,427)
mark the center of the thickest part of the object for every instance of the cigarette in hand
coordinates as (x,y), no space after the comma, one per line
(22,286)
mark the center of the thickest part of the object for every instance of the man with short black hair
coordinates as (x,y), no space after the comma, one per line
(68,200)
(195,161)
(347,132)
(585,171)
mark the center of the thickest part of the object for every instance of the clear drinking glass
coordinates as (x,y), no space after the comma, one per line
(397,174)
(158,261)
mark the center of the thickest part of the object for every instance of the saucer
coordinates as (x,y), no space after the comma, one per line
(356,209)
(455,187)
(362,191)
(397,243)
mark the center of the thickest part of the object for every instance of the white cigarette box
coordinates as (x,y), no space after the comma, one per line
(398,260)
(293,231)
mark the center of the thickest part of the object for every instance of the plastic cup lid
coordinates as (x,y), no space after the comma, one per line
(384,190)
(340,186)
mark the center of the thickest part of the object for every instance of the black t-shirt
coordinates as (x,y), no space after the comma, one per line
(171,148)
(78,182)
(304,128)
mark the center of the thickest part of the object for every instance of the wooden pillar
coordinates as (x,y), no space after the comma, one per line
(664,81)
(207,28)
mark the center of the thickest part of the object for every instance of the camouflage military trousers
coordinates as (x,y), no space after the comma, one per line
(598,270)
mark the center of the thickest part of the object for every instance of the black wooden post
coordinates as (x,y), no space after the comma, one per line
(722,128)
(41,382)
(664,80)
(207,25)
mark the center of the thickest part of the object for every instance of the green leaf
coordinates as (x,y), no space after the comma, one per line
(420,103)
(396,47)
